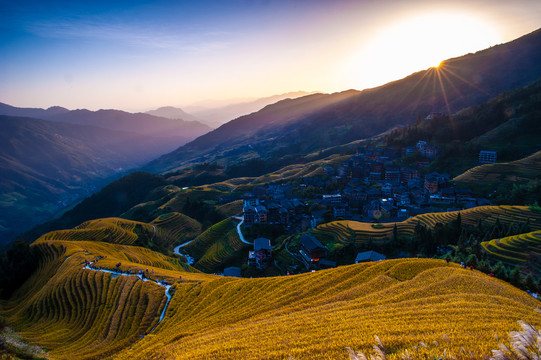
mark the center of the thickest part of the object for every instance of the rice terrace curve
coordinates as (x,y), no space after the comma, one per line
(72,311)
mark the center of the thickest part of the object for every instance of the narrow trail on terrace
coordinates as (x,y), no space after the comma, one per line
(66,259)
(115,274)
(240,233)
(153,235)
(189,260)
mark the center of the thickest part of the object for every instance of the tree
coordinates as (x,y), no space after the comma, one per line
(17,264)
(500,271)
(484,266)
(514,276)
(457,225)
(529,283)
(472,260)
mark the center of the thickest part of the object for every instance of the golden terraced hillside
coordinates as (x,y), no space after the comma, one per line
(515,249)
(347,231)
(518,171)
(87,314)
(167,230)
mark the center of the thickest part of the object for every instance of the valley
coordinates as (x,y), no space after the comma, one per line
(53,160)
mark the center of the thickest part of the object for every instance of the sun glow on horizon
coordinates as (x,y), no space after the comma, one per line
(403,47)
(116,55)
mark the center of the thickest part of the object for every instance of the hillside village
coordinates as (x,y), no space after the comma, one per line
(376,185)
(369,187)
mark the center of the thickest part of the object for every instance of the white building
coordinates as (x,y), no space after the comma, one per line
(487,157)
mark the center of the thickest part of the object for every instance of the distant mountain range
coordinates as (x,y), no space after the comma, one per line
(141,123)
(39,113)
(318,121)
(52,157)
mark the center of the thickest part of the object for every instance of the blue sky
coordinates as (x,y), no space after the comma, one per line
(138,55)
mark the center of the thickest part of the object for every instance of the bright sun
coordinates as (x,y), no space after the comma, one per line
(421,42)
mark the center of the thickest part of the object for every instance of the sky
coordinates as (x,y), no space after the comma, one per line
(138,55)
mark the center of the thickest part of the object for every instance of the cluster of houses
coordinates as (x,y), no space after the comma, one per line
(422,148)
(258,210)
(378,165)
(372,187)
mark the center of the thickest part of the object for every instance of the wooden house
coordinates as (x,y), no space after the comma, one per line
(311,249)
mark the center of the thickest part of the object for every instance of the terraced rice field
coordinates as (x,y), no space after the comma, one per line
(231,209)
(113,230)
(199,193)
(316,315)
(177,228)
(215,245)
(516,249)
(84,314)
(521,170)
(76,313)
(168,230)
(348,231)
(294,171)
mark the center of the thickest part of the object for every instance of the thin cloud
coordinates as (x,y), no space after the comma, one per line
(136,36)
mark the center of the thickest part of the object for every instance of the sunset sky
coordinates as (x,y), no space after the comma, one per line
(138,55)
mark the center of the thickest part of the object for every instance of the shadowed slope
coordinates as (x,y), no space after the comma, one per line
(318,121)
(215,246)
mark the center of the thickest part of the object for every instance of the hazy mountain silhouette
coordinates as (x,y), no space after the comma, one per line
(314,122)
(171,112)
(39,113)
(219,115)
(141,123)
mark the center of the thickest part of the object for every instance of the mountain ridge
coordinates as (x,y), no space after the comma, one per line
(142,123)
(218,115)
(457,83)
(171,112)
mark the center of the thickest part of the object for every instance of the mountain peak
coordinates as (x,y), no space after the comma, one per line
(171,112)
